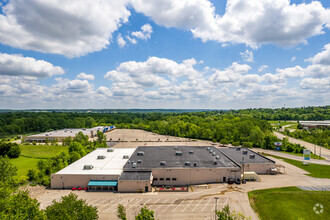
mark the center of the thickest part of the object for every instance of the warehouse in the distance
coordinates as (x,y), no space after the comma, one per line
(132,170)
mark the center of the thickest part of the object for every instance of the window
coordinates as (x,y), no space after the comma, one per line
(173,179)
(161,179)
(155,179)
(168,179)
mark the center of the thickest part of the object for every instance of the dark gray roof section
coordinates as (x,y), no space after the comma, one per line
(167,157)
(237,154)
(139,176)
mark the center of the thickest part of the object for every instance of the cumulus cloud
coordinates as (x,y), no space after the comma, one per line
(145,32)
(247,56)
(69,28)
(322,58)
(253,22)
(17,65)
(320,85)
(85,76)
(293,59)
(120,40)
(230,74)
(262,68)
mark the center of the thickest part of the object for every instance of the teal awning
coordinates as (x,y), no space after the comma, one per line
(103,183)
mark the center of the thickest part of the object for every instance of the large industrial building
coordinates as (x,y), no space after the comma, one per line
(132,170)
(59,135)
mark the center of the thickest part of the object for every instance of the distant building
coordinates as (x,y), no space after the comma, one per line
(59,135)
(315,124)
(133,170)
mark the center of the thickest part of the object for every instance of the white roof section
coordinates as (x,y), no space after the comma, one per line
(68,132)
(315,123)
(112,164)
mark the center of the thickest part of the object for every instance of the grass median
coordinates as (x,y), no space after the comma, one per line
(290,203)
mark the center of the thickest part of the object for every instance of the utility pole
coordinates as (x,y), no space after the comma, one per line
(216,207)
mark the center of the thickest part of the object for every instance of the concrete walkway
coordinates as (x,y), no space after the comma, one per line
(290,156)
(324,152)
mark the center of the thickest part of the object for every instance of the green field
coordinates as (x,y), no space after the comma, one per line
(313,156)
(315,170)
(23,164)
(289,203)
(42,151)
(282,123)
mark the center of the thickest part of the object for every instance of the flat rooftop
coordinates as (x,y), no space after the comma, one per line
(147,158)
(68,132)
(238,153)
(112,164)
(315,123)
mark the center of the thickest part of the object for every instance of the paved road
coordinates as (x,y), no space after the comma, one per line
(290,156)
(324,152)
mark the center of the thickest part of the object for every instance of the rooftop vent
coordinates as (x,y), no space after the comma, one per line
(195,164)
(217,157)
(187,163)
(245,152)
(213,153)
(140,153)
(133,165)
(252,156)
(110,150)
(176,147)
(177,163)
(208,148)
(162,163)
(88,167)
(191,152)
(100,157)
(125,157)
(238,149)
(178,153)
(139,161)
(215,162)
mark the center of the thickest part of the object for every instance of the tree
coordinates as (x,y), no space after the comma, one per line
(256,136)
(21,206)
(226,214)
(71,208)
(32,174)
(101,138)
(145,214)
(121,212)
(7,171)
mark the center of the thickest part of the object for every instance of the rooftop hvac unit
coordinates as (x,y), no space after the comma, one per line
(139,161)
(191,152)
(217,157)
(208,148)
(252,156)
(245,152)
(213,153)
(100,157)
(110,150)
(215,162)
(195,164)
(238,149)
(162,163)
(140,153)
(133,165)
(178,153)
(187,163)
(125,157)
(88,167)
(176,147)
(177,163)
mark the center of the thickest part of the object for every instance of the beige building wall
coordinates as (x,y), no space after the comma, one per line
(134,185)
(189,176)
(67,181)
(258,168)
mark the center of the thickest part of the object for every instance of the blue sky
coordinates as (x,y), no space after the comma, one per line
(164,54)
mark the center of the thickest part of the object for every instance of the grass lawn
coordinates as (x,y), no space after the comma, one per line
(23,164)
(42,151)
(313,156)
(315,170)
(282,123)
(289,203)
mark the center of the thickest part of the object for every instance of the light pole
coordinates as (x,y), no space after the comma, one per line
(216,207)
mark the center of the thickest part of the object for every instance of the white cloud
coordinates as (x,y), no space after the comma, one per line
(230,74)
(322,58)
(145,32)
(85,76)
(70,28)
(120,40)
(247,56)
(262,68)
(315,84)
(291,72)
(252,22)
(293,59)
(17,65)
(132,40)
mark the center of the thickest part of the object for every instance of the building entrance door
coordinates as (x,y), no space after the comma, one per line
(146,189)
(224,179)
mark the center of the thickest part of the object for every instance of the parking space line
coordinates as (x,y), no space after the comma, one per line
(225,202)
(187,205)
(197,205)
(177,206)
(168,205)
(161,204)
(206,204)
(146,202)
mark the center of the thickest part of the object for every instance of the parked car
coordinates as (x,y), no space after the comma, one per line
(231,181)
(238,181)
